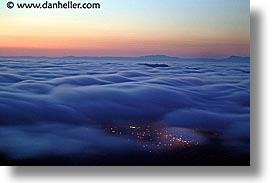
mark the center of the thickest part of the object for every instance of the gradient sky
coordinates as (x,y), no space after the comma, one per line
(184,28)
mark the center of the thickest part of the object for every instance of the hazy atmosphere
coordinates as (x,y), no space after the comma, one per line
(136,82)
(183,28)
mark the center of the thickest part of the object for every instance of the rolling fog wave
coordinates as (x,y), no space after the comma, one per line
(46,104)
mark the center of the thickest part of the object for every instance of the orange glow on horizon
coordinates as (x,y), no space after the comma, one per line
(122,45)
(110,32)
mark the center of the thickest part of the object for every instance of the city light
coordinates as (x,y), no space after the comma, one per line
(152,138)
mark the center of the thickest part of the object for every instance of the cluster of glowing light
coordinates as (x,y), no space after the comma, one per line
(151,138)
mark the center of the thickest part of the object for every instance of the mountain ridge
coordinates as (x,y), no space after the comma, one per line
(138,58)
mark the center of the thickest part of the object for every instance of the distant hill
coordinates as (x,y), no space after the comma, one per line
(158,58)
(237,58)
(142,58)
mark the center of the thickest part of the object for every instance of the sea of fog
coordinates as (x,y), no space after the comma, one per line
(53,107)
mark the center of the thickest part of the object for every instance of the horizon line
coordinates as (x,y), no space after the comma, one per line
(109,56)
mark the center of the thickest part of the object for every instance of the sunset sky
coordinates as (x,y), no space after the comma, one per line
(183,28)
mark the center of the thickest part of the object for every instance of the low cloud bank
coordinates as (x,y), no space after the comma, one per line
(61,107)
